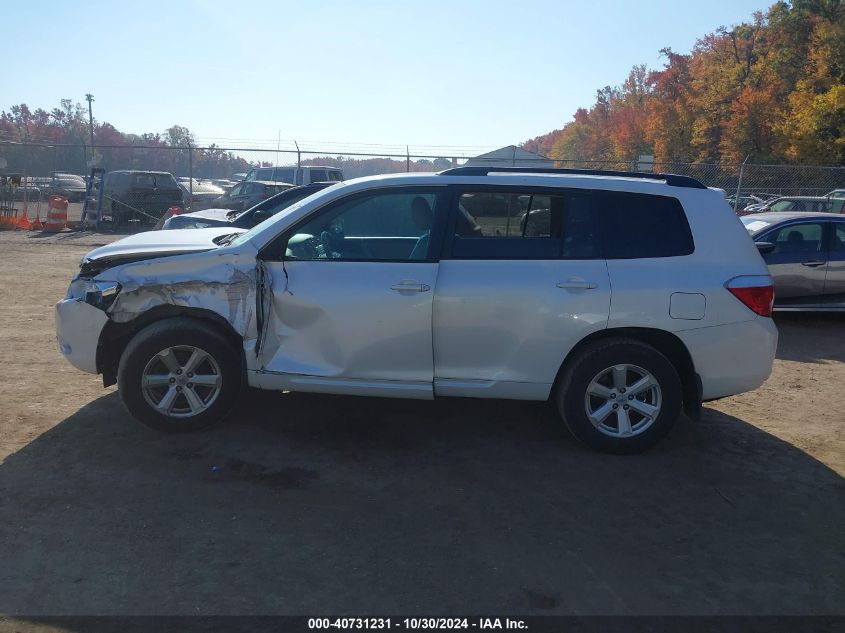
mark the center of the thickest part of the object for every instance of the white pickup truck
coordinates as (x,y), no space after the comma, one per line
(296,175)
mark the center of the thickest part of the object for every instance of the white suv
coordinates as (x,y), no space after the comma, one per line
(623,298)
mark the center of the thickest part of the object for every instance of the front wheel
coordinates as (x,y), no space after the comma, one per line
(179,374)
(619,396)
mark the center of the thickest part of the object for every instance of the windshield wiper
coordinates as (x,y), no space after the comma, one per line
(223,240)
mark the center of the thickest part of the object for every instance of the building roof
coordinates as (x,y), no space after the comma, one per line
(510,156)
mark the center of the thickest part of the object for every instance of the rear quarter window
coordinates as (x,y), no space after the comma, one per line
(638,226)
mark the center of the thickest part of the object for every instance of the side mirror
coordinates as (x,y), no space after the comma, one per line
(765,247)
(259,216)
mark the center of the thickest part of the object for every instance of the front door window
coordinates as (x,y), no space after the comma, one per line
(386,226)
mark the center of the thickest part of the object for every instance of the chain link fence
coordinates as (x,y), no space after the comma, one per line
(43,169)
(743,179)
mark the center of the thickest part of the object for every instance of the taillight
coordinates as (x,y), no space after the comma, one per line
(755,291)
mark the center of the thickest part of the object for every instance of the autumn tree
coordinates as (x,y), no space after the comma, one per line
(772,88)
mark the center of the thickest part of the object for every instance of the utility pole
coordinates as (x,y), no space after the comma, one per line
(89,98)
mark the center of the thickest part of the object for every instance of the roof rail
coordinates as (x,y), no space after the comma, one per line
(673,180)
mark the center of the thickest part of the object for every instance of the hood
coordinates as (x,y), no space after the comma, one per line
(150,245)
(212,214)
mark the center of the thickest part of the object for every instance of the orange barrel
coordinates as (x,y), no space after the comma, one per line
(56,214)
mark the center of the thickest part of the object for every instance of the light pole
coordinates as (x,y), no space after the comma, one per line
(739,183)
(89,98)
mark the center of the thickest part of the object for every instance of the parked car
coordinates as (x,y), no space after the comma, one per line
(22,188)
(805,253)
(247,194)
(71,187)
(140,196)
(799,204)
(296,175)
(223,183)
(203,196)
(745,201)
(244,219)
(639,300)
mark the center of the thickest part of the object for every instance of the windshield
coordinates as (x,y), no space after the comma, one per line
(754,225)
(284,204)
(202,187)
(781,205)
(248,235)
(152,181)
(280,213)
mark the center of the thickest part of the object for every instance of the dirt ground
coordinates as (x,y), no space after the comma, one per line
(307,504)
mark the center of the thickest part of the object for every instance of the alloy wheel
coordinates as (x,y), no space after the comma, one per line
(623,400)
(181,381)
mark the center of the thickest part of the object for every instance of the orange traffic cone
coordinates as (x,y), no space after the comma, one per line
(23,222)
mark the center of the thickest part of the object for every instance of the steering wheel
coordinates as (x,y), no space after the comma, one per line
(312,248)
(326,243)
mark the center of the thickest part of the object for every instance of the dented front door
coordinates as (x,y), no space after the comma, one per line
(358,320)
(351,299)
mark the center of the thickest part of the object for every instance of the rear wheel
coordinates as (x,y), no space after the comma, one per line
(119,216)
(179,374)
(619,396)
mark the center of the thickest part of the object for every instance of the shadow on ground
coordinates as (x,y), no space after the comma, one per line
(811,338)
(307,504)
(71,235)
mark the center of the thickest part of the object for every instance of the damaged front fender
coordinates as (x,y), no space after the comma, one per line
(222,283)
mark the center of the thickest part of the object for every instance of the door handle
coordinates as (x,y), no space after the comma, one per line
(813,263)
(577,284)
(409,285)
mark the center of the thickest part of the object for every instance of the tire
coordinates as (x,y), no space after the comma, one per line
(117,215)
(602,368)
(155,380)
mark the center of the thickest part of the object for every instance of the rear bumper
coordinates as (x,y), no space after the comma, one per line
(78,328)
(732,358)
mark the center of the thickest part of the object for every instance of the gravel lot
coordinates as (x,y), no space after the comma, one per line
(308,504)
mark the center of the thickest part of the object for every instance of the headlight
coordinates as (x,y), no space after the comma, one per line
(100,294)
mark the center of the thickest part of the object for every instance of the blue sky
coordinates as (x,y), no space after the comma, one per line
(435,73)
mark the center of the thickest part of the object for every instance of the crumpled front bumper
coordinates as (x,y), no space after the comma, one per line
(78,328)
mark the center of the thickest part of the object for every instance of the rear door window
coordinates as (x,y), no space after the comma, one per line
(637,226)
(523,225)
